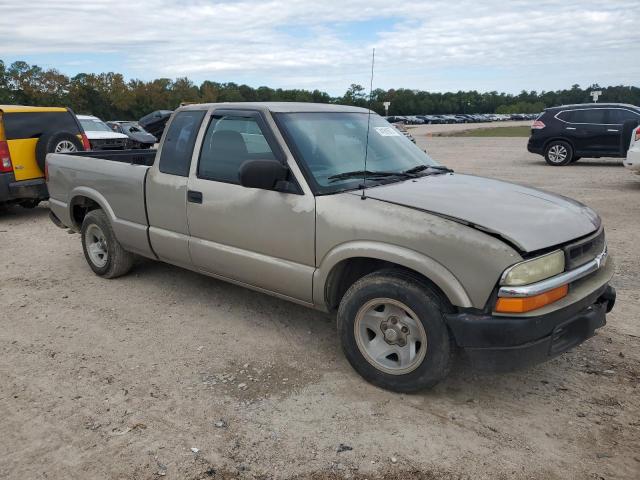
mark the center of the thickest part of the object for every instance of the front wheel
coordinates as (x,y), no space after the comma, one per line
(103,252)
(393,333)
(558,153)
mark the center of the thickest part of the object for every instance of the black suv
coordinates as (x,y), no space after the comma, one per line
(567,133)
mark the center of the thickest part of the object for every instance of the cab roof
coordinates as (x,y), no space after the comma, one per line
(25,109)
(284,107)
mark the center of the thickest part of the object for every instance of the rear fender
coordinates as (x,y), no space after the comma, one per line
(76,196)
(132,236)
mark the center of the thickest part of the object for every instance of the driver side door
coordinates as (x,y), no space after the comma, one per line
(260,238)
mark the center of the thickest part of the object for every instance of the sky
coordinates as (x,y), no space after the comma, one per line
(428,45)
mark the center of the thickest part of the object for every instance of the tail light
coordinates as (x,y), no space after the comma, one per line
(537,125)
(85,142)
(637,134)
(5,157)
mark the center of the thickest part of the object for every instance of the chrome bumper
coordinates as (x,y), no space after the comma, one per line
(557,281)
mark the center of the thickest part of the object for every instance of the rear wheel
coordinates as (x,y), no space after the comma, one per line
(392,331)
(103,252)
(558,153)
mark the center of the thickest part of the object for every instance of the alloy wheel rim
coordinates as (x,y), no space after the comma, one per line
(557,153)
(65,146)
(390,336)
(96,246)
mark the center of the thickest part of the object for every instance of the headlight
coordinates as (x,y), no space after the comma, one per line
(534,270)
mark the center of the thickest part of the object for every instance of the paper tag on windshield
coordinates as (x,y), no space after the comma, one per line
(387,131)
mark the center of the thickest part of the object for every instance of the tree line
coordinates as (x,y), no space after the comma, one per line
(111,97)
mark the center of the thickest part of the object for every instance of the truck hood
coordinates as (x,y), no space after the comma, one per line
(528,218)
(100,135)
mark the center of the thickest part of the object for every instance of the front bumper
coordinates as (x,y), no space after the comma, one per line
(498,343)
(14,191)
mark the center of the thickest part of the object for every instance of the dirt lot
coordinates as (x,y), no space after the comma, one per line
(122,378)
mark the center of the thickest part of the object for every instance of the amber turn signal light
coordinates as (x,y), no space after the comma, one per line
(526,304)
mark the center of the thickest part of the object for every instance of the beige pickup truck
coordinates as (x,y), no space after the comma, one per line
(418,263)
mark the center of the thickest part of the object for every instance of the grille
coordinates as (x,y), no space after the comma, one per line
(109,144)
(585,250)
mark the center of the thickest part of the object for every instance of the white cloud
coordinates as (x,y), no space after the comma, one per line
(439,45)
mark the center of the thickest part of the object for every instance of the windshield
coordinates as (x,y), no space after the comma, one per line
(333,144)
(94,125)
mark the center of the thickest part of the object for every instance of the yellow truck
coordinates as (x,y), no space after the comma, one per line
(27,134)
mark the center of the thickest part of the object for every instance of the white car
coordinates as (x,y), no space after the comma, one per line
(100,135)
(632,162)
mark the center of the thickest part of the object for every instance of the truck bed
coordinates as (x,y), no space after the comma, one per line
(134,157)
(115,180)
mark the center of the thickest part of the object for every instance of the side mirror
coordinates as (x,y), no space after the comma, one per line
(264,174)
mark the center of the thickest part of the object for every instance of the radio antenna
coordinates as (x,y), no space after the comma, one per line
(366,146)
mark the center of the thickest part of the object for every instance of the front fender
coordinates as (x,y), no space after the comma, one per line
(404,257)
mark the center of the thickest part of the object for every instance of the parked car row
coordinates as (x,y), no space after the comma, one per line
(27,134)
(115,135)
(458,118)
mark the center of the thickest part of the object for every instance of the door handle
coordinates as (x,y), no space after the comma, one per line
(571,128)
(612,130)
(194,197)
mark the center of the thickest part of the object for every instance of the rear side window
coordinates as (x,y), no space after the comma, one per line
(179,141)
(595,115)
(19,125)
(566,116)
(229,142)
(621,115)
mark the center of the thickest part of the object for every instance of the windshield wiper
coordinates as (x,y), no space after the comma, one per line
(421,168)
(369,174)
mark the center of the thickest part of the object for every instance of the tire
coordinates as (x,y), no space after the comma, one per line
(103,252)
(56,142)
(558,153)
(398,301)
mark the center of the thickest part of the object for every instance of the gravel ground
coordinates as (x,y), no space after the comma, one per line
(166,373)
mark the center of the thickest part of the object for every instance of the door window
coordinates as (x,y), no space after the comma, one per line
(566,116)
(620,115)
(229,142)
(179,141)
(594,115)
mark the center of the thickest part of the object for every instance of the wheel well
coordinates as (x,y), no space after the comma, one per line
(80,206)
(559,139)
(349,271)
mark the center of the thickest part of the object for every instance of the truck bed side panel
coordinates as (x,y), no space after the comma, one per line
(117,187)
